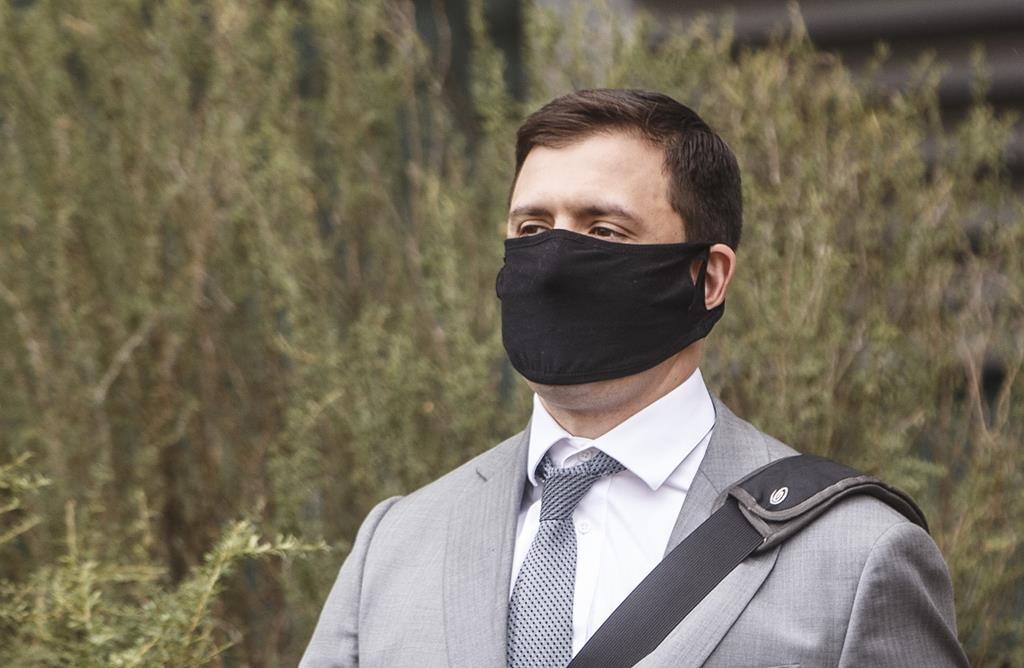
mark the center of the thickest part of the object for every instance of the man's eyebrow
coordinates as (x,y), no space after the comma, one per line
(530,211)
(606,209)
(595,210)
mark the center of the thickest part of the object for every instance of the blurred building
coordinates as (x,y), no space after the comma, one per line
(952,30)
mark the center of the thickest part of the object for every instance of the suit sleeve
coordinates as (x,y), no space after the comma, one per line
(903,610)
(335,641)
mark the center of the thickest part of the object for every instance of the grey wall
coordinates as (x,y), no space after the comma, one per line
(951,29)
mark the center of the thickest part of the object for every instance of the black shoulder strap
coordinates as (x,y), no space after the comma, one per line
(758,512)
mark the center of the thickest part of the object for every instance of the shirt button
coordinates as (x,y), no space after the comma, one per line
(586,455)
(583,526)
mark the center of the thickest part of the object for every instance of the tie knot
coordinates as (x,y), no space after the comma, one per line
(563,488)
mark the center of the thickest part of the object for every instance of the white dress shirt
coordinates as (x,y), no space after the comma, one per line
(624,522)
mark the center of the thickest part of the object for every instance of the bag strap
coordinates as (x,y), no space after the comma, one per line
(759,512)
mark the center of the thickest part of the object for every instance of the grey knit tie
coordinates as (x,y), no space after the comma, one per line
(540,612)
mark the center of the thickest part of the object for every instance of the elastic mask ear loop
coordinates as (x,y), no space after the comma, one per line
(698,287)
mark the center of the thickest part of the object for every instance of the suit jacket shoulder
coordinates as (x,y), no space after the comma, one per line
(448,486)
(860,586)
(426,583)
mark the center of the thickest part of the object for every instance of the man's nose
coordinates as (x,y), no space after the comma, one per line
(570,224)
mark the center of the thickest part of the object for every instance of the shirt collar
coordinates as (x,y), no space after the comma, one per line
(651,443)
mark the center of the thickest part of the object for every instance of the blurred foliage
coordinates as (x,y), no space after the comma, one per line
(247,258)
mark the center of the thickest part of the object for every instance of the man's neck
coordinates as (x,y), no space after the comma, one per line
(594,409)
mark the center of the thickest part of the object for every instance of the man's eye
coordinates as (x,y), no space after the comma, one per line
(606,233)
(528,229)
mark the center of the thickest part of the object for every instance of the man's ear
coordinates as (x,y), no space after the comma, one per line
(721,265)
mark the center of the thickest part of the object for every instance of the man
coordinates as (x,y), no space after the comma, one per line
(624,218)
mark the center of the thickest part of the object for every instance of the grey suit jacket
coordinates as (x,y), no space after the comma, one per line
(427,581)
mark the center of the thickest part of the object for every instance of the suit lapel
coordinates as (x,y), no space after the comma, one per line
(735,449)
(478,563)
(692,642)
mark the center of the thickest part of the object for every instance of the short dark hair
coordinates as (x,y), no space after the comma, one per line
(704,178)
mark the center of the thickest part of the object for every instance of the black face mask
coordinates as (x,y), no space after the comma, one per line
(575,309)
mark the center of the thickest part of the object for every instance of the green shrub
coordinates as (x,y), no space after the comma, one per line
(247,258)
